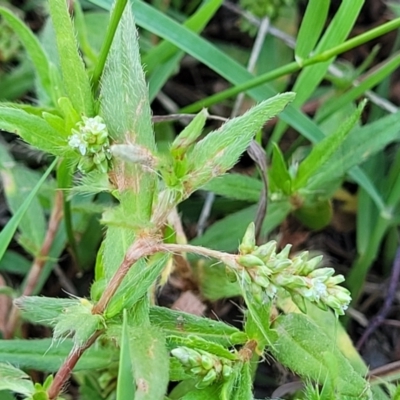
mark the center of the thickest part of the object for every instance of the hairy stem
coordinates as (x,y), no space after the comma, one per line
(141,248)
(65,371)
(39,262)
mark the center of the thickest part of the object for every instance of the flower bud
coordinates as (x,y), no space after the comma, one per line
(265,251)
(249,240)
(250,261)
(208,379)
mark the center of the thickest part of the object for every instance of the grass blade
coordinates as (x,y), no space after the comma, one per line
(9,230)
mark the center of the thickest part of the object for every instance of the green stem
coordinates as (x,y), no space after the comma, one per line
(294,66)
(111,29)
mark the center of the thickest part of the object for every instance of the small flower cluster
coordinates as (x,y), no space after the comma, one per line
(91,140)
(267,272)
(206,366)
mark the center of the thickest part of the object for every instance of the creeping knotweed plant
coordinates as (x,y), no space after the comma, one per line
(90,139)
(142,347)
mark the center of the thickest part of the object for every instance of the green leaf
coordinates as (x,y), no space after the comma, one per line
(236,186)
(126,111)
(14,379)
(32,46)
(125,382)
(17,82)
(315,215)
(258,323)
(33,130)
(220,149)
(361,143)
(189,135)
(335,34)
(321,154)
(124,96)
(214,281)
(311,28)
(18,182)
(244,384)
(15,263)
(304,348)
(150,362)
(136,284)
(75,78)
(8,231)
(47,355)
(279,179)
(179,323)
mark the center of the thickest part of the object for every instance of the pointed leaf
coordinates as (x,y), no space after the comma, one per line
(75,78)
(311,27)
(34,130)
(150,363)
(220,149)
(14,379)
(305,349)
(125,382)
(279,178)
(18,182)
(33,48)
(47,355)
(184,324)
(8,231)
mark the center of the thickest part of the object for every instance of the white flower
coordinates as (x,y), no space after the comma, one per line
(76,141)
(93,125)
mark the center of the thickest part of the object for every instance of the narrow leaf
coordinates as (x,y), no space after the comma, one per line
(34,130)
(18,182)
(321,154)
(33,48)
(150,363)
(76,80)
(220,149)
(280,180)
(183,324)
(311,27)
(14,379)
(9,230)
(125,378)
(48,356)
(236,186)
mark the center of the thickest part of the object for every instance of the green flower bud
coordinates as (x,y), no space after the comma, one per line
(265,251)
(335,280)
(197,370)
(279,265)
(325,273)
(310,265)
(186,356)
(250,261)
(209,379)
(86,164)
(249,240)
(238,338)
(262,281)
(207,362)
(299,301)
(284,254)
(226,371)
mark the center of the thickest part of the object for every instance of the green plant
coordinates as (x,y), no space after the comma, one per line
(97,121)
